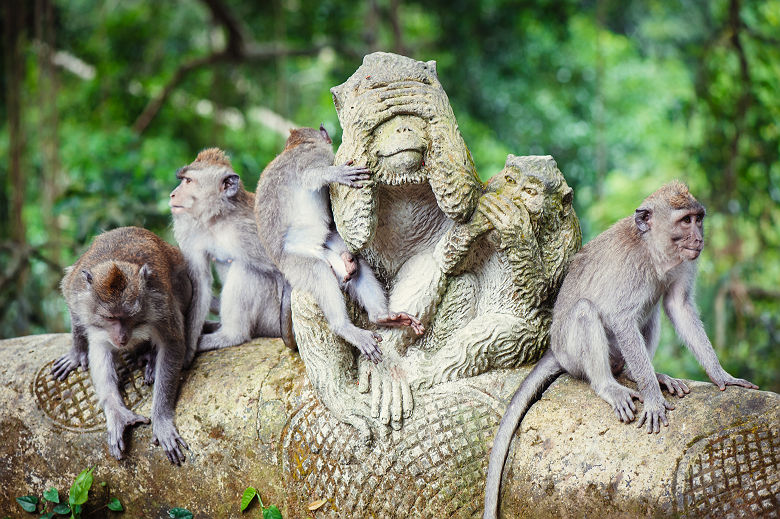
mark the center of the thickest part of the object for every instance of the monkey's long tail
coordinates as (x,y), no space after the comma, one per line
(537,381)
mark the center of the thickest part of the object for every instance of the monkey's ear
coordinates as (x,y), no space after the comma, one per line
(145,271)
(642,218)
(230,185)
(87,276)
(324,134)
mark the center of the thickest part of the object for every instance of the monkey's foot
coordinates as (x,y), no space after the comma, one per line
(724,379)
(653,415)
(167,437)
(116,423)
(368,343)
(401,319)
(68,362)
(673,385)
(391,394)
(350,265)
(621,399)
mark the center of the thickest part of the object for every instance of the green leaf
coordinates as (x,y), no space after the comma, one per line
(52,495)
(180,513)
(272,513)
(48,515)
(79,490)
(62,509)
(28,503)
(249,495)
(115,505)
(75,511)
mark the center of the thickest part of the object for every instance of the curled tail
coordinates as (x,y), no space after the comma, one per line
(537,381)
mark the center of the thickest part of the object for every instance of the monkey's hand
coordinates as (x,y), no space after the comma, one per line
(673,385)
(723,379)
(68,362)
(167,437)
(654,414)
(349,175)
(401,319)
(117,421)
(391,395)
(350,265)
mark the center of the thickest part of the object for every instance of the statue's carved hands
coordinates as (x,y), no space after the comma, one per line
(391,395)
(511,221)
(378,105)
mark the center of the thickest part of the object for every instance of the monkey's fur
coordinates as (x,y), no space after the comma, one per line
(213,220)
(607,315)
(128,288)
(295,225)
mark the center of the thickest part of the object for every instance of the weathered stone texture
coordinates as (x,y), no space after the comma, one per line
(251,418)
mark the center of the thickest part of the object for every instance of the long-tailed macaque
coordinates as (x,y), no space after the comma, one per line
(130,287)
(607,316)
(295,224)
(213,219)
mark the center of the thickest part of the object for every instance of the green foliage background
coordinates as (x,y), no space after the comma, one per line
(624,94)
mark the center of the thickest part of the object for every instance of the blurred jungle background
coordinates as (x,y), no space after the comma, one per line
(104,99)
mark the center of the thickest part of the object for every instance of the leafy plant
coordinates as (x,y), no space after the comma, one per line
(77,497)
(269,512)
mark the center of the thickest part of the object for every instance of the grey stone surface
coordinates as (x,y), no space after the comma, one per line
(251,418)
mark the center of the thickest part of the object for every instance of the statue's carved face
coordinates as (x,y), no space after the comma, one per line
(399,147)
(545,198)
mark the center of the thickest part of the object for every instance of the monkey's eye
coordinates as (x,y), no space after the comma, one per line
(686,218)
(530,191)
(509,179)
(186,180)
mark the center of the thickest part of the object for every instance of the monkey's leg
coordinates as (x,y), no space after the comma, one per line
(170,358)
(585,352)
(651,332)
(314,276)
(243,300)
(105,382)
(76,356)
(370,294)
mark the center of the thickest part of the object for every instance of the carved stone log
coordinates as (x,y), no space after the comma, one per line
(251,418)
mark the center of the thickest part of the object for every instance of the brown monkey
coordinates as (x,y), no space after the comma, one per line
(129,287)
(607,315)
(295,225)
(213,219)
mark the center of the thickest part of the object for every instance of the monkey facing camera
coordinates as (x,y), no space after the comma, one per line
(607,318)
(127,289)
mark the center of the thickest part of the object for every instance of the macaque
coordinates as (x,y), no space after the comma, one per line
(128,288)
(607,317)
(295,225)
(213,220)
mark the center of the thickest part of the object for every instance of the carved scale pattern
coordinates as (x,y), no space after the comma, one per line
(72,403)
(731,474)
(441,453)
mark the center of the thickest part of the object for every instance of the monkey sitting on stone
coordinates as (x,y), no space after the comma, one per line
(213,219)
(607,315)
(295,225)
(128,288)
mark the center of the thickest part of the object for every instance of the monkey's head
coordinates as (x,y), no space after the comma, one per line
(117,302)
(208,186)
(536,183)
(309,136)
(673,220)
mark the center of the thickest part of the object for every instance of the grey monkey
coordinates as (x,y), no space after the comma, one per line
(295,225)
(128,288)
(213,220)
(607,316)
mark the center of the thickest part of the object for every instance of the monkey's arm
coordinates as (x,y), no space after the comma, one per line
(679,306)
(76,356)
(170,358)
(632,347)
(316,177)
(201,278)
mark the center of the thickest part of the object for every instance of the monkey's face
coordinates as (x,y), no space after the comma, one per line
(118,293)
(687,232)
(399,146)
(202,190)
